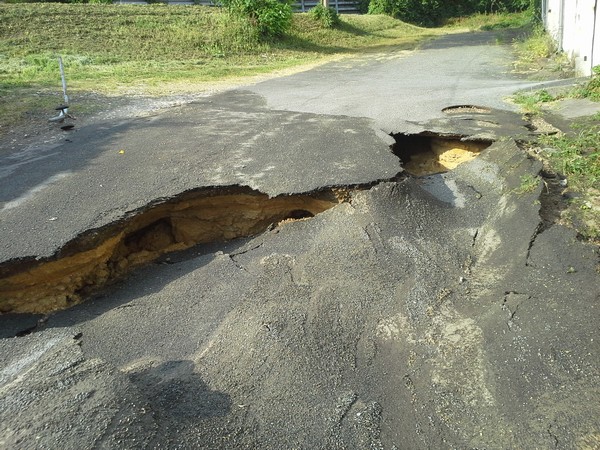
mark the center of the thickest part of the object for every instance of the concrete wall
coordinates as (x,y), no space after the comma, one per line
(575,26)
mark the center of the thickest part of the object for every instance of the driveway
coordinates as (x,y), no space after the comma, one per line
(357,307)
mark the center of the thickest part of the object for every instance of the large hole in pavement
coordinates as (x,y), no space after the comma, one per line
(100,256)
(424,154)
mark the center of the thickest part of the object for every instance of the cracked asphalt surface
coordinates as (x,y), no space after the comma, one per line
(432,312)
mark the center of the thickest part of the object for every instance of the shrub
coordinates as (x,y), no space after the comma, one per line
(327,17)
(591,89)
(272,18)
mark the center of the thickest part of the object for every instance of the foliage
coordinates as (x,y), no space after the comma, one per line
(538,45)
(577,158)
(156,50)
(272,18)
(434,12)
(531,102)
(529,184)
(591,89)
(539,57)
(484,21)
(327,17)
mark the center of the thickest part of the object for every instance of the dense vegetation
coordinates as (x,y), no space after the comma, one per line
(434,12)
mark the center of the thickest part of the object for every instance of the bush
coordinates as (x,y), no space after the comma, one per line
(272,18)
(327,17)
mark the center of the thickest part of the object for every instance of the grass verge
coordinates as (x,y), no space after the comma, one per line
(576,159)
(539,57)
(158,49)
(573,157)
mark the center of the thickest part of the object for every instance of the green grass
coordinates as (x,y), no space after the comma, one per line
(488,22)
(104,46)
(578,156)
(532,102)
(578,159)
(528,184)
(158,49)
(538,45)
(590,90)
(538,56)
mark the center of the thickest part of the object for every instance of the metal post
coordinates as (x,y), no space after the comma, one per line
(64,108)
(64,81)
(594,42)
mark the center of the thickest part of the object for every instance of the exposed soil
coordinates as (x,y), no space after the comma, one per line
(98,257)
(426,155)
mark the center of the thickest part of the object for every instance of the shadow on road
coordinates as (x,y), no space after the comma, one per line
(475,39)
(178,394)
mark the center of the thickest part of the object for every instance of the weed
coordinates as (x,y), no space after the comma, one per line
(531,102)
(577,158)
(538,56)
(529,184)
(155,49)
(538,45)
(327,17)
(591,89)
(271,18)
(488,22)
(107,46)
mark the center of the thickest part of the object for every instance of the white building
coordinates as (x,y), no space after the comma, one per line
(575,26)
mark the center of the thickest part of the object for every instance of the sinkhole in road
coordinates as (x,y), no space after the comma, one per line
(428,154)
(98,257)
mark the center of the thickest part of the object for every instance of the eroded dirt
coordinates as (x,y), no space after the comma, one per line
(305,336)
(426,155)
(98,257)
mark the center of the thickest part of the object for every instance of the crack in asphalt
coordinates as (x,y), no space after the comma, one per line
(99,257)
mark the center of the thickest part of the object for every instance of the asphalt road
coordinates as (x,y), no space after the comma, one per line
(433,312)
(402,89)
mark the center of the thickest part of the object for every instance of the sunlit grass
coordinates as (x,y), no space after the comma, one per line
(120,44)
(496,21)
(157,49)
